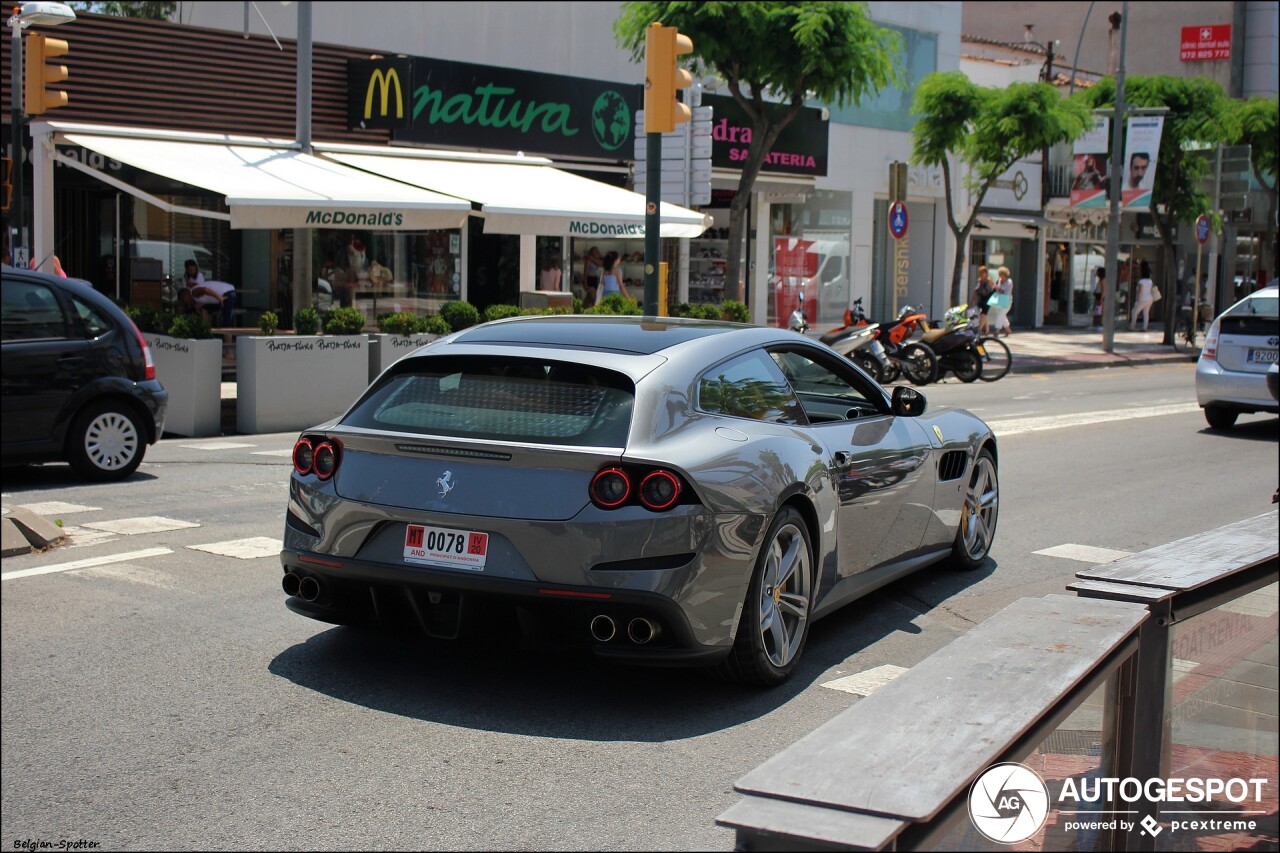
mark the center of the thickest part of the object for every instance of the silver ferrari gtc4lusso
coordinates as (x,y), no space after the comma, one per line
(658,490)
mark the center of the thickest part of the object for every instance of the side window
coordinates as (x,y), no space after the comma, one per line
(94,323)
(825,394)
(750,386)
(30,311)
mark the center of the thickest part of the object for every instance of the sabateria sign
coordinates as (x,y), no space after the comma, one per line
(439,102)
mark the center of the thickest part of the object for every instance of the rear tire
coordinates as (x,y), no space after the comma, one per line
(870,365)
(775,617)
(966,365)
(997,361)
(106,443)
(978,517)
(919,364)
(1219,417)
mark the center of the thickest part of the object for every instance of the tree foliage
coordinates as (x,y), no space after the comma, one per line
(1199,115)
(1259,120)
(985,130)
(155,10)
(772,56)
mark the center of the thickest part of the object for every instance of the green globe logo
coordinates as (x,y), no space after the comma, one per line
(611,120)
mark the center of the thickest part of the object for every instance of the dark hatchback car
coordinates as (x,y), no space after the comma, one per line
(79,383)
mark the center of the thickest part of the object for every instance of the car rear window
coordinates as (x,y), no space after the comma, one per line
(502,399)
(1258,305)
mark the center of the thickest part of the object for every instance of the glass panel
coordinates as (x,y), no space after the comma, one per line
(386,272)
(1224,726)
(31,312)
(94,323)
(750,386)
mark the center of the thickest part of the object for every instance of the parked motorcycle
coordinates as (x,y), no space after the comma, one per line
(907,357)
(955,344)
(798,322)
(859,341)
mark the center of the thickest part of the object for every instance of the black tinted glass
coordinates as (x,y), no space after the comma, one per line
(30,311)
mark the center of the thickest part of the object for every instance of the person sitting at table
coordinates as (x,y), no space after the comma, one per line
(209,295)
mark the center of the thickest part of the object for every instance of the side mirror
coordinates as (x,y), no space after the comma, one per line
(907,401)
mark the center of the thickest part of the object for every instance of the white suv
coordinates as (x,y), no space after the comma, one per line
(1239,348)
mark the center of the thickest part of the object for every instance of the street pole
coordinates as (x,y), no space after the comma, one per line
(17,214)
(1116,171)
(303,279)
(652,221)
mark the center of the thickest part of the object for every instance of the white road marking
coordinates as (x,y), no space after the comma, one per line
(143,524)
(1084,553)
(867,682)
(79,537)
(273,452)
(84,564)
(58,508)
(243,549)
(132,574)
(1014,426)
(217,445)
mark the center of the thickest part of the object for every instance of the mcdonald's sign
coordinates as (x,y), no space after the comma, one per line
(379,92)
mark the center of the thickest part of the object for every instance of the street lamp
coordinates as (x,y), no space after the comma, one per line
(25,15)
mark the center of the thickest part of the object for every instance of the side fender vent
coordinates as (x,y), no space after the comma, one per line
(952,464)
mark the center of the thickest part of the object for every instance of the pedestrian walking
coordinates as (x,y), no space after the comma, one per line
(1099,294)
(978,302)
(1001,304)
(1146,298)
(611,280)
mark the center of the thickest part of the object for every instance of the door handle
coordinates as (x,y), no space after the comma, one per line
(841,458)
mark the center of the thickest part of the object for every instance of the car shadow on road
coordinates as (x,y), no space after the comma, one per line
(57,475)
(1265,429)
(497,684)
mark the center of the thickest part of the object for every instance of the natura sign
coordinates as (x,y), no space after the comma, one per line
(439,102)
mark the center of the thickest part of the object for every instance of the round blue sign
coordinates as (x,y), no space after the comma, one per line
(898,220)
(1202,228)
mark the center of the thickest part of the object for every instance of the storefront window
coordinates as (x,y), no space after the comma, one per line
(386,272)
(809,254)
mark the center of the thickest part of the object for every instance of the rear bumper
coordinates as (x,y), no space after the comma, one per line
(1233,389)
(450,605)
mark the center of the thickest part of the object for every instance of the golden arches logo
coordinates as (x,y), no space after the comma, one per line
(384,80)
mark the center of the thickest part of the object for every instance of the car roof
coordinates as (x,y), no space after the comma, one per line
(78,286)
(601,333)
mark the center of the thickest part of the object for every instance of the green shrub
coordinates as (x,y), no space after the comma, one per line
(268,323)
(306,321)
(559,310)
(616,303)
(681,309)
(500,312)
(459,315)
(190,326)
(578,304)
(149,319)
(344,321)
(434,324)
(404,323)
(735,311)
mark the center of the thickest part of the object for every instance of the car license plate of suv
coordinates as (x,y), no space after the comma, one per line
(440,546)
(1262,356)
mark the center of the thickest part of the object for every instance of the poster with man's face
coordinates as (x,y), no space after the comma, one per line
(1141,152)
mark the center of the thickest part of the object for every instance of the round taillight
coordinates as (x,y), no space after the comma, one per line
(304,456)
(659,490)
(610,488)
(326,460)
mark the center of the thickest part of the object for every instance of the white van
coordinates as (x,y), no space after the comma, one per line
(172,256)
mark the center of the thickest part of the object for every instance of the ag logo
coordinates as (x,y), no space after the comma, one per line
(1008,803)
(611,120)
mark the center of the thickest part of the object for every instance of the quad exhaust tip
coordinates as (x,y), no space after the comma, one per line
(291,583)
(309,589)
(641,631)
(603,628)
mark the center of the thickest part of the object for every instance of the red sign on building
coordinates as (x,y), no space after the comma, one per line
(1205,43)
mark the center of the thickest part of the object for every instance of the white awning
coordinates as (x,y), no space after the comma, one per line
(522,195)
(267,184)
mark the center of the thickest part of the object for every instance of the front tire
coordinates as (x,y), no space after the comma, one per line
(106,443)
(978,517)
(870,365)
(775,618)
(919,364)
(1219,417)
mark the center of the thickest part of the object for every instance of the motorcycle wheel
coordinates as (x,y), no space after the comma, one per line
(870,365)
(891,372)
(919,364)
(965,364)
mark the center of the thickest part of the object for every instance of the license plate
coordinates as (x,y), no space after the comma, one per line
(982,351)
(440,546)
(1262,356)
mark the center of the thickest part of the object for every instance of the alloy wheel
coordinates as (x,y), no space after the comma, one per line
(981,509)
(784,596)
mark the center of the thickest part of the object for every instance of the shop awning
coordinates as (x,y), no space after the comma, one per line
(268,184)
(522,195)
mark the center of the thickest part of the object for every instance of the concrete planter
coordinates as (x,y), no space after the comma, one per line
(291,382)
(385,350)
(191,371)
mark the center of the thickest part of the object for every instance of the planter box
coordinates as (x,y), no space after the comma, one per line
(290,382)
(191,371)
(385,350)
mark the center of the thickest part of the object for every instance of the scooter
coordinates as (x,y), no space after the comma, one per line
(908,358)
(798,322)
(858,341)
(955,344)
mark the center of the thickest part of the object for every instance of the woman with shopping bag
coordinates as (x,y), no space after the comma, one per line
(1000,303)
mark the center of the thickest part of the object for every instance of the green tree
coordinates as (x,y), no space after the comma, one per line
(1260,129)
(985,130)
(155,10)
(772,56)
(1199,116)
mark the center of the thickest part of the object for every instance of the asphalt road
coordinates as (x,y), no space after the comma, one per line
(169,700)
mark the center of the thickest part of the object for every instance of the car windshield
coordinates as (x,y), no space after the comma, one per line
(1262,304)
(503,399)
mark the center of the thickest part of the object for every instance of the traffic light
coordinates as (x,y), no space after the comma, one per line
(39,97)
(662,112)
